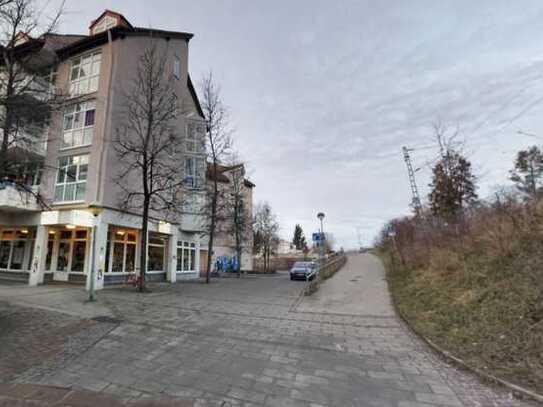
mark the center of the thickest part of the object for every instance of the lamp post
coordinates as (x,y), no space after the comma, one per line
(320,216)
(95,210)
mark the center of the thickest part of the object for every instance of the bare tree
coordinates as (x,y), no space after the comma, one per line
(219,143)
(26,99)
(146,146)
(238,216)
(266,226)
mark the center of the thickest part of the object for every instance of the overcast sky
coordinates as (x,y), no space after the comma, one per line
(323,94)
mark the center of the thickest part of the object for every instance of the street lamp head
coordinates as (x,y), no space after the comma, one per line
(320,215)
(95,210)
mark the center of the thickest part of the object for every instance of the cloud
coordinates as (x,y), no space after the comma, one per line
(324,94)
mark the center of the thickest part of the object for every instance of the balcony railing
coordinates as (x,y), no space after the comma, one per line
(17,198)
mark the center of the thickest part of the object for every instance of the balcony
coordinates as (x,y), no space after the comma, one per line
(191,222)
(16,198)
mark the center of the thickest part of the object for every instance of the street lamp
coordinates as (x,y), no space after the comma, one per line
(95,210)
(320,216)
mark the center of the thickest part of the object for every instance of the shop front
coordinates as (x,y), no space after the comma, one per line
(122,254)
(16,245)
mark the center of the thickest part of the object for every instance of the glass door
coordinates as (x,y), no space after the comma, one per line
(71,254)
(63,256)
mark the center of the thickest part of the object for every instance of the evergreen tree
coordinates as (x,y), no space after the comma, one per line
(528,171)
(299,239)
(453,185)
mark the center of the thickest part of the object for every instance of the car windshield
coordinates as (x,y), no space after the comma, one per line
(300,264)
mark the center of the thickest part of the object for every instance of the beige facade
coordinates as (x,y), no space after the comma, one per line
(81,225)
(230,179)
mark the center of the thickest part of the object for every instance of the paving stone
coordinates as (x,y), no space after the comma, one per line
(239,343)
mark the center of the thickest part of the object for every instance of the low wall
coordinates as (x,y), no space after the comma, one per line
(331,267)
(277,263)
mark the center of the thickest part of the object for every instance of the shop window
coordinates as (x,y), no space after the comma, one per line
(156,254)
(49,255)
(78,256)
(13,246)
(122,246)
(5,250)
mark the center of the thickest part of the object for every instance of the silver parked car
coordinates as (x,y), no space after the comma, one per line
(303,270)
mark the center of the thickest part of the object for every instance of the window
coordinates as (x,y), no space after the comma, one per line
(176,67)
(122,244)
(85,73)
(186,257)
(156,254)
(195,137)
(78,125)
(71,178)
(194,167)
(105,24)
(50,245)
(12,249)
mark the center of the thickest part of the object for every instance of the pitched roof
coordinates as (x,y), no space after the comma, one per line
(194,96)
(117,32)
(112,14)
(221,170)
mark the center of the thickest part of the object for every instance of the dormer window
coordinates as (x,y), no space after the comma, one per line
(105,24)
(108,20)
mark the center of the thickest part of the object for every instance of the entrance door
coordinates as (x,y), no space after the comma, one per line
(63,260)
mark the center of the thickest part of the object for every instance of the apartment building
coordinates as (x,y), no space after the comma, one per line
(231,180)
(79,225)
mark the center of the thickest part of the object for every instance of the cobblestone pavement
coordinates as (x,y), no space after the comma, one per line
(32,337)
(251,342)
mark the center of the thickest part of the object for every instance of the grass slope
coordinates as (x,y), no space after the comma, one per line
(484,307)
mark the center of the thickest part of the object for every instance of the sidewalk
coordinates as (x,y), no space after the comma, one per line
(15,395)
(66,299)
(359,288)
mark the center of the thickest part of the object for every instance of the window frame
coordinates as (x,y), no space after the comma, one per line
(120,236)
(83,128)
(65,168)
(163,245)
(76,62)
(176,67)
(189,247)
(13,239)
(70,241)
(194,179)
(192,137)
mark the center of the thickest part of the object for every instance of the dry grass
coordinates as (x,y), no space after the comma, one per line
(477,291)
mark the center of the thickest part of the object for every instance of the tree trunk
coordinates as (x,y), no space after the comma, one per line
(8,119)
(212,221)
(143,243)
(237,226)
(238,253)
